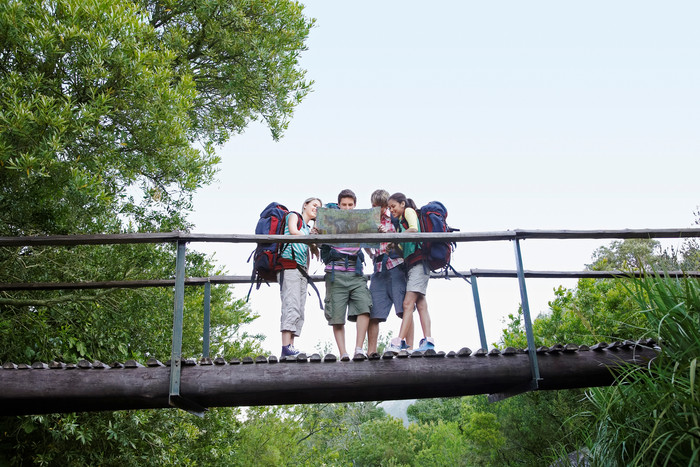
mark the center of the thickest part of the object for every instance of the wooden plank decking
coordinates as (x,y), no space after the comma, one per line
(58,387)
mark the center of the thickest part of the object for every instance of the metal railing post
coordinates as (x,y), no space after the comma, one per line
(479,316)
(532,350)
(174,397)
(207,319)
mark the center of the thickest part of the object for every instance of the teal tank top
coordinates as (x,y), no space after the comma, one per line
(301,250)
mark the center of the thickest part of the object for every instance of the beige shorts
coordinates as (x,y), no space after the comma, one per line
(417,279)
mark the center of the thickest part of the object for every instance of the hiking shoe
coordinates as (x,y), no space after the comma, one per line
(426,343)
(397,345)
(289,351)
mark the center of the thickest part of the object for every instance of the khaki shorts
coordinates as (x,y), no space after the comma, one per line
(347,293)
(417,279)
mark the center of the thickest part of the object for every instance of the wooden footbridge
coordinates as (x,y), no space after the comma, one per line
(193,385)
(89,386)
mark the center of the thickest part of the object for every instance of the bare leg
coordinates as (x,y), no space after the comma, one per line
(362,326)
(287,338)
(422,305)
(409,336)
(372,335)
(339,334)
(409,303)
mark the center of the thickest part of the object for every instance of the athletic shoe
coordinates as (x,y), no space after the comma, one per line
(289,351)
(397,345)
(394,345)
(425,344)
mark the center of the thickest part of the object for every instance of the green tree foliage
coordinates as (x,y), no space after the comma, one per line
(597,310)
(633,255)
(242,57)
(330,428)
(521,422)
(382,442)
(367,437)
(109,115)
(90,108)
(434,410)
(651,416)
(485,438)
(127,438)
(113,324)
(101,103)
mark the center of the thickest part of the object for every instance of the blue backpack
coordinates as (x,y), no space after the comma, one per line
(434,255)
(267,257)
(433,218)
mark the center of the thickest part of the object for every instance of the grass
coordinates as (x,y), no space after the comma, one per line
(651,417)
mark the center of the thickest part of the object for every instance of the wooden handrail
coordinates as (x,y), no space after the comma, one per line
(166,237)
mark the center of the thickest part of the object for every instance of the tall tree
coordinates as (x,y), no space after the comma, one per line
(110,109)
(110,113)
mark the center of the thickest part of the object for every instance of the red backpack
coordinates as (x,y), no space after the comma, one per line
(267,257)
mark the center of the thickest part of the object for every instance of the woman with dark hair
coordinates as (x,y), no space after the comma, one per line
(388,282)
(405,210)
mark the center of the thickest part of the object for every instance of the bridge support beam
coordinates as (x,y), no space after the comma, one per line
(38,389)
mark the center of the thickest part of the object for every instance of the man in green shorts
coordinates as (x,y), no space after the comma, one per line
(346,287)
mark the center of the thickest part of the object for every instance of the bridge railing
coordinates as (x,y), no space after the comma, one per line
(181,239)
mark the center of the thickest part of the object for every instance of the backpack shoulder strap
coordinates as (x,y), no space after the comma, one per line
(311,283)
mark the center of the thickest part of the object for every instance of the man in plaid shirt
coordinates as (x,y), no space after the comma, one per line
(388,282)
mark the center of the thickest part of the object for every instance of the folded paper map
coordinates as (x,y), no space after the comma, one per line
(349,221)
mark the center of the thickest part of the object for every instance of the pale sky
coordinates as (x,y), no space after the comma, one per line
(530,115)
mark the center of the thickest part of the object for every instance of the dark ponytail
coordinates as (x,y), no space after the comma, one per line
(401,198)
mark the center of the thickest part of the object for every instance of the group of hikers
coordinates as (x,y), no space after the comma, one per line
(399,279)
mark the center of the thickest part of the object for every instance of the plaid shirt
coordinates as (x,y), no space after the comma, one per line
(391,263)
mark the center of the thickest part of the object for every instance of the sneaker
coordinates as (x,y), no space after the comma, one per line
(426,343)
(394,345)
(289,351)
(397,345)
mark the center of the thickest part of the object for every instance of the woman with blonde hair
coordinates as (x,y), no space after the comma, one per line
(293,282)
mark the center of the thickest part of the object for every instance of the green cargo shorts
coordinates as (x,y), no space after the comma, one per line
(348,292)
